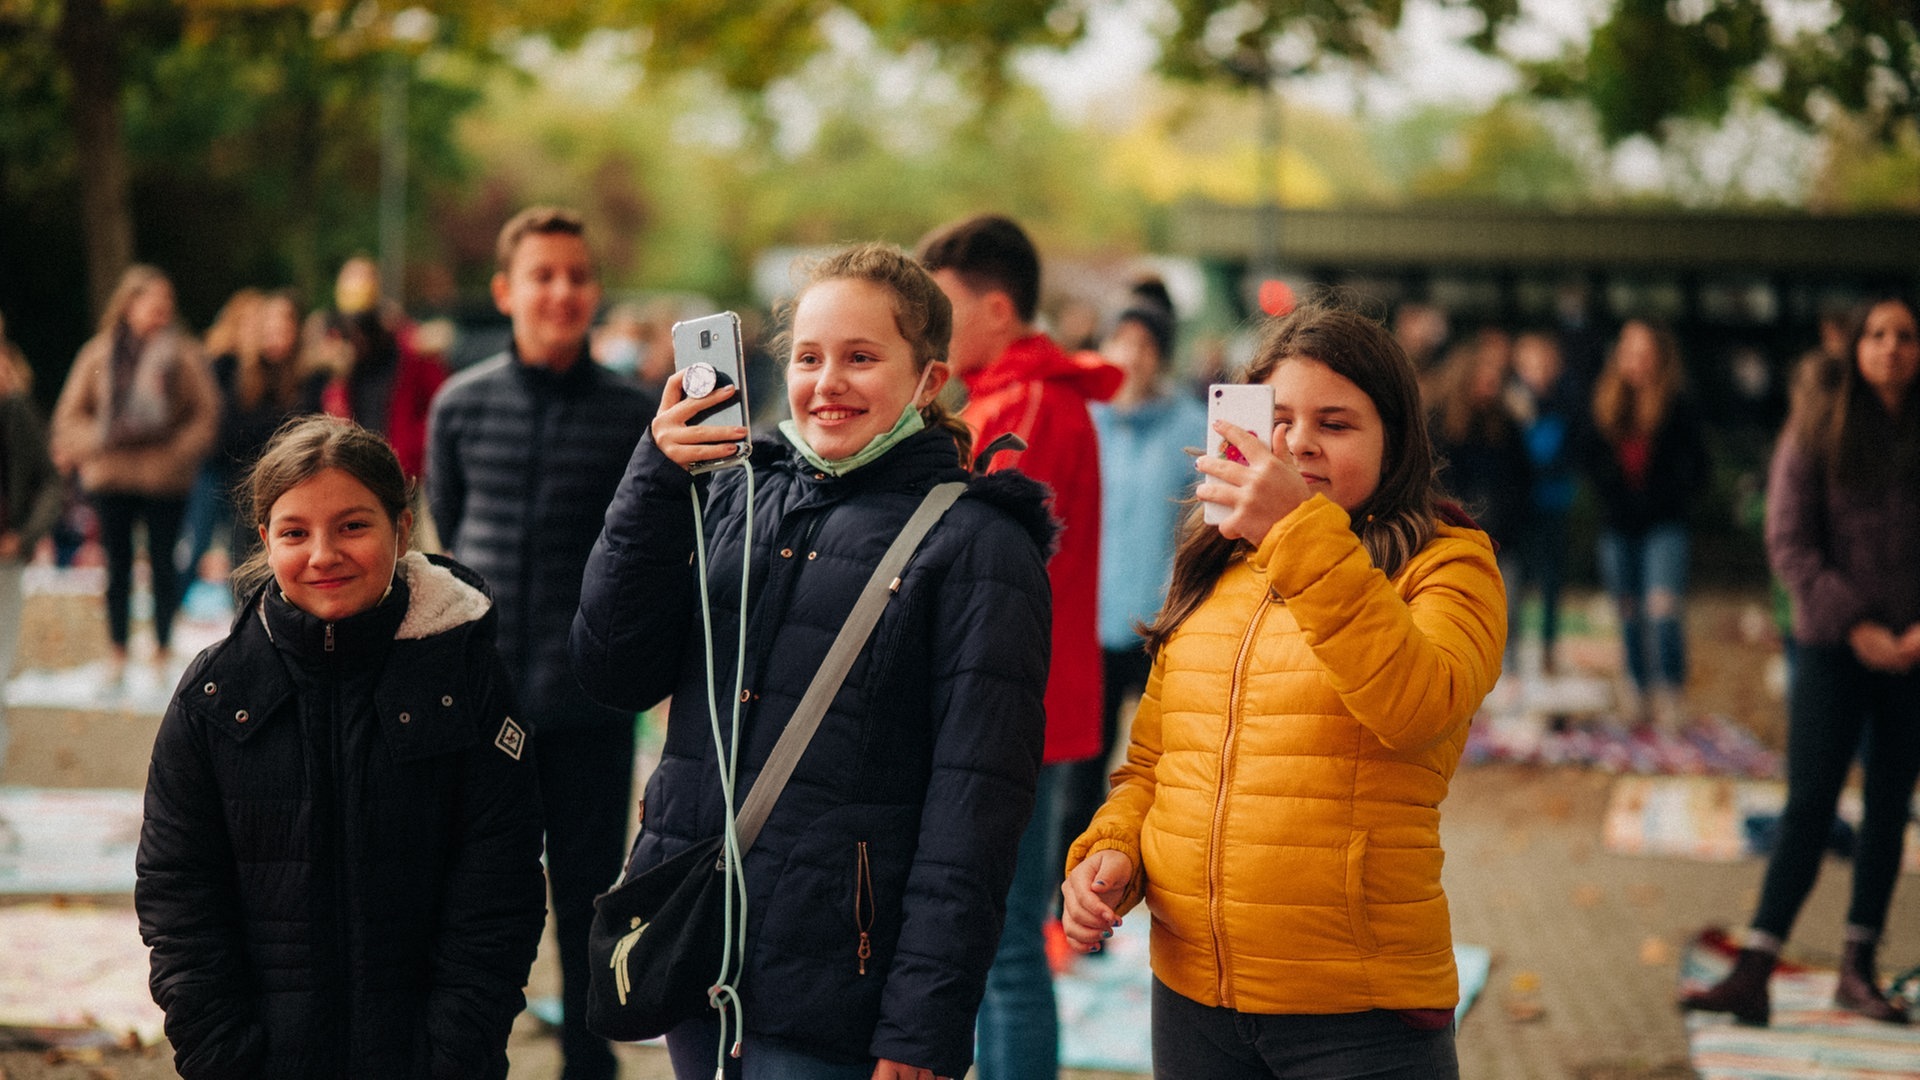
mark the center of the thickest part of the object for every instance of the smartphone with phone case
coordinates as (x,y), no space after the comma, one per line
(1246,405)
(709,353)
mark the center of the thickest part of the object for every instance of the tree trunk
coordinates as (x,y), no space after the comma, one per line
(87,45)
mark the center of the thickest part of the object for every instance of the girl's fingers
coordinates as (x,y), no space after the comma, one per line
(1251,446)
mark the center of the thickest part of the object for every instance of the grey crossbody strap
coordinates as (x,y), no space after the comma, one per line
(833,671)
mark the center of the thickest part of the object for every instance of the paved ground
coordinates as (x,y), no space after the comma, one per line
(1585,943)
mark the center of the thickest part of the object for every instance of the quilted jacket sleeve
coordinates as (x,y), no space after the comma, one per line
(1412,657)
(495,904)
(446,477)
(991,640)
(639,593)
(188,902)
(1826,603)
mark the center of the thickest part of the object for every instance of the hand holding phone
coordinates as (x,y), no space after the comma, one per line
(710,367)
(1244,405)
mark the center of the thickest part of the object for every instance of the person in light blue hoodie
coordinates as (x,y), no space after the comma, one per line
(1145,474)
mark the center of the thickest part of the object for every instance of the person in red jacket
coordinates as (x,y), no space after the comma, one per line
(1020,382)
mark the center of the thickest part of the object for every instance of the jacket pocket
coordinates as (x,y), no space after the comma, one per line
(1357,893)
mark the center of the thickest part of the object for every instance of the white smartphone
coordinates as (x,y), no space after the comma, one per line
(709,353)
(1247,405)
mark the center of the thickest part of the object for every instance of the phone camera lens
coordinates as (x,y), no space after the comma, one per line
(1219,393)
(706,339)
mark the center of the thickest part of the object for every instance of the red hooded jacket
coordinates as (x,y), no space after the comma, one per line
(1039,392)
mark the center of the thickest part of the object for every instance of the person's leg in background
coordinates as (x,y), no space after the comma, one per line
(1547,571)
(1666,558)
(1621,570)
(1192,1041)
(164,516)
(1019,1024)
(1084,784)
(116,514)
(203,515)
(12,602)
(1891,765)
(586,794)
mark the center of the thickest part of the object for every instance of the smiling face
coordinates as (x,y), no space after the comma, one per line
(331,545)
(1888,355)
(1332,428)
(851,374)
(550,292)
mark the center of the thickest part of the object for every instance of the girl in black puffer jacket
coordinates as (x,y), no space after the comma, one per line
(876,890)
(339,872)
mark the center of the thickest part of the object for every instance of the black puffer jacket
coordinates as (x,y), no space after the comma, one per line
(923,769)
(521,464)
(339,872)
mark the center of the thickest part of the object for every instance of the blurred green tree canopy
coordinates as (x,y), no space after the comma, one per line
(238,141)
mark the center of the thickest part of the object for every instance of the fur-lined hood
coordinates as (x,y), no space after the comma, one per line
(444,595)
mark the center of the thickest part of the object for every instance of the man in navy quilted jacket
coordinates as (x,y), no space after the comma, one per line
(524,453)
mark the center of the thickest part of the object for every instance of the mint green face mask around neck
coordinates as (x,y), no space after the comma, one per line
(910,423)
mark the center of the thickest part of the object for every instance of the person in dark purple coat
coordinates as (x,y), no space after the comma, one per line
(1843,524)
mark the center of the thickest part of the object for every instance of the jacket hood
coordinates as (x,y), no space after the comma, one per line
(1026,500)
(445,595)
(1036,356)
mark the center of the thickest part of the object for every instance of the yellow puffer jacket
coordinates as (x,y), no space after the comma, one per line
(1281,794)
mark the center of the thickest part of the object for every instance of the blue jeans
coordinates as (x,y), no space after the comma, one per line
(1192,1041)
(1646,575)
(1019,1027)
(692,1045)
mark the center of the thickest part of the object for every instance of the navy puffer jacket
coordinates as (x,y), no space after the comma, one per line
(339,872)
(907,808)
(521,462)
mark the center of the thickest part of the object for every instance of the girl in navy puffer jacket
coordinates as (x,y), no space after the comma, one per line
(876,890)
(339,871)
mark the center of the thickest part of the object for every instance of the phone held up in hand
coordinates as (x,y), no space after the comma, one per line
(708,352)
(1246,405)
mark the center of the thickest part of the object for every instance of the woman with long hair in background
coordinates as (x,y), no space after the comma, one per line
(136,417)
(1843,532)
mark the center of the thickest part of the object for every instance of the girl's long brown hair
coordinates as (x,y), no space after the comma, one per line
(1837,417)
(1622,412)
(1395,522)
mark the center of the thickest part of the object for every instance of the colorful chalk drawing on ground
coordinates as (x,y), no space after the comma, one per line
(1715,819)
(67,841)
(75,975)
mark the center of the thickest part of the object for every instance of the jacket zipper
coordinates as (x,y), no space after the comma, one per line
(1216,869)
(863,905)
(328,645)
(343,878)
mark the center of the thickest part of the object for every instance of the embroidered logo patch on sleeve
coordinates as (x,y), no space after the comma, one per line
(512,739)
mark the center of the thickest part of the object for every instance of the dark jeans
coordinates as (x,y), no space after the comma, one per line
(1832,702)
(162,515)
(692,1047)
(1542,562)
(1192,1041)
(586,793)
(1084,784)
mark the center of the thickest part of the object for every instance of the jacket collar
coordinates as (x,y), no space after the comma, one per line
(308,640)
(575,380)
(1037,357)
(919,461)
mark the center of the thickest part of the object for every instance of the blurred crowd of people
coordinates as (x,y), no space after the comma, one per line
(155,429)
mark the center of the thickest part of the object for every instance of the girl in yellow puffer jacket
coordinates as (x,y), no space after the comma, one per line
(1315,667)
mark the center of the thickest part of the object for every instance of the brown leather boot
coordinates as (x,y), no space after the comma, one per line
(1859,989)
(1743,992)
